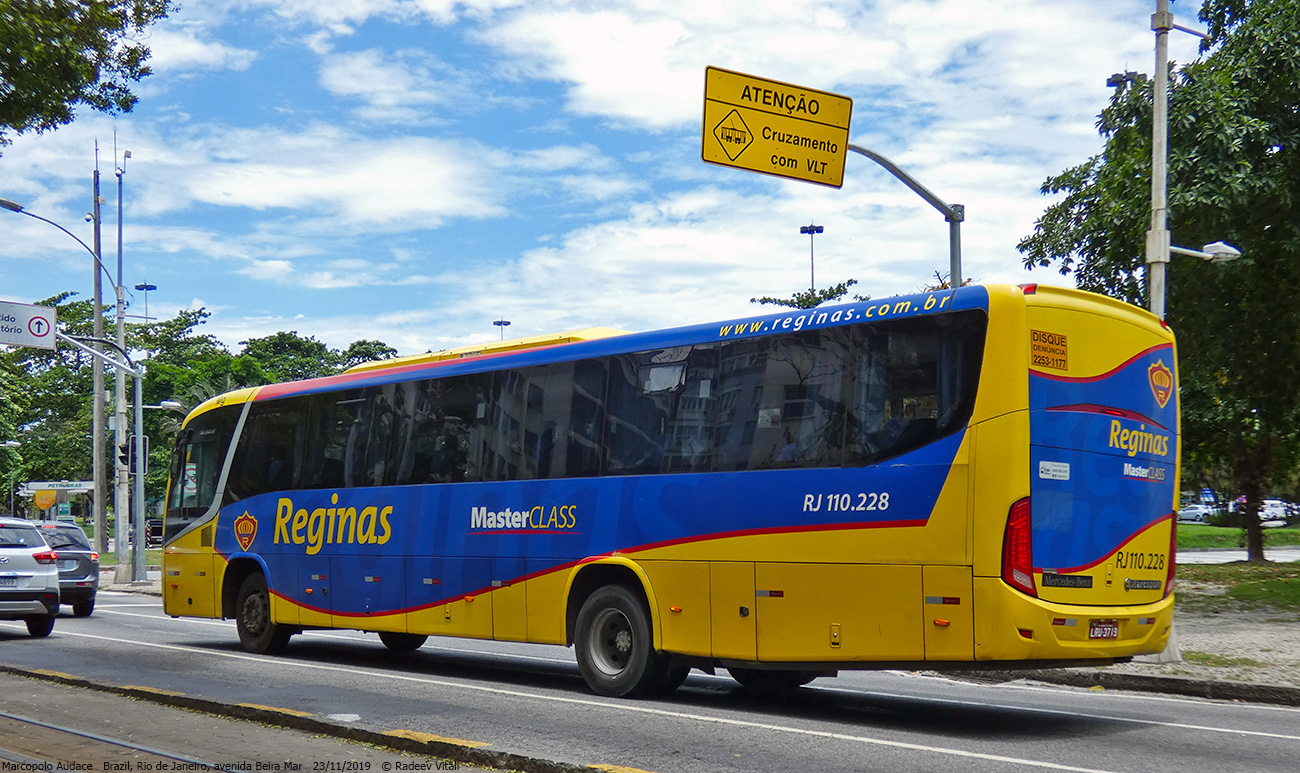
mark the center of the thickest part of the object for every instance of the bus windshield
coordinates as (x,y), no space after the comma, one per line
(196,467)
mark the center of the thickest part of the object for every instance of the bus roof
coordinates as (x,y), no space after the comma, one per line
(496,347)
(598,342)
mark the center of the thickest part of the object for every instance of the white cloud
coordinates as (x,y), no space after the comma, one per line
(183,47)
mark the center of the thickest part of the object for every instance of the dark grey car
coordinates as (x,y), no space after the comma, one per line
(78,565)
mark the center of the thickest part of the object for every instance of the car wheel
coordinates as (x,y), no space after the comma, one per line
(253,619)
(83,608)
(41,625)
(402,642)
(613,644)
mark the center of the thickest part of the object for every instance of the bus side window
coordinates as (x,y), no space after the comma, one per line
(336,443)
(267,458)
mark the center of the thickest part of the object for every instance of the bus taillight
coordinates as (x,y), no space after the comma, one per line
(1017,549)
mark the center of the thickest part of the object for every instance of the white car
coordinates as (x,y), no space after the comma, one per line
(29,577)
(1195,513)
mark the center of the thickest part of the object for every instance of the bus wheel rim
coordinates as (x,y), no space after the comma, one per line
(611,642)
(256,614)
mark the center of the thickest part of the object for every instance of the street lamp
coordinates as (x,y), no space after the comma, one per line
(167,405)
(503,324)
(97,365)
(146,287)
(812,231)
(1158,239)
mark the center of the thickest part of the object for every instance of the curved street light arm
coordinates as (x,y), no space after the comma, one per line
(14,206)
(953,213)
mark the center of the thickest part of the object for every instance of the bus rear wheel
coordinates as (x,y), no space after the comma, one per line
(613,644)
(770,681)
(402,642)
(253,619)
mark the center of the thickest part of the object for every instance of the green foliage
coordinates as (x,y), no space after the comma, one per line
(811,299)
(366,351)
(45,396)
(1234,174)
(1195,537)
(58,54)
(290,357)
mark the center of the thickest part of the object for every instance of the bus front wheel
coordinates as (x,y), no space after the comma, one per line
(253,619)
(614,646)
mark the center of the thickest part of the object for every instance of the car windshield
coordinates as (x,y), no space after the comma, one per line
(72,539)
(20,537)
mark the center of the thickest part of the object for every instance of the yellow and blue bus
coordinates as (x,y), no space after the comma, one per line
(972,478)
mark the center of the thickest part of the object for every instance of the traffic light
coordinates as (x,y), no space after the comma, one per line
(126,455)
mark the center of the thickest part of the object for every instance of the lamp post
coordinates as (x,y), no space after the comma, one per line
(503,324)
(97,366)
(812,231)
(121,472)
(146,287)
(1158,245)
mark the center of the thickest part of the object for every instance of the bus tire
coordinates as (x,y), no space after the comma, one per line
(257,633)
(669,680)
(402,642)
(614,644)
(758,681)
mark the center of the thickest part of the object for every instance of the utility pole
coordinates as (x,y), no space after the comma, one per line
(121,471)
(97,383)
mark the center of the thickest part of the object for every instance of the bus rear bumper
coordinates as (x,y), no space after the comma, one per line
(1012,626)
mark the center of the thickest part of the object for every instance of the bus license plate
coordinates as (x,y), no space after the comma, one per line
(1103,629)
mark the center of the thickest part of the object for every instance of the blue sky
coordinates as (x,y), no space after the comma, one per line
(411,170)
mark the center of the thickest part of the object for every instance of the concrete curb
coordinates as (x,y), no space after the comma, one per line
(1169,685)
(397,740)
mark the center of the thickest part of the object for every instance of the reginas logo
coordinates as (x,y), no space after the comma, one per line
(1162,382)
(245,530)
(331,525)
(1137,441)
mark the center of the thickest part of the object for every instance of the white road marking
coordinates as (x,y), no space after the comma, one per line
(628,707)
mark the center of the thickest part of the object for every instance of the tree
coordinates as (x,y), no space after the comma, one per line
(811,299)
(289,356)
(58,54)
(366,351)
(1234,172)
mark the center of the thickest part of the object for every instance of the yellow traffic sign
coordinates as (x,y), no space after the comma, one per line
(775,128)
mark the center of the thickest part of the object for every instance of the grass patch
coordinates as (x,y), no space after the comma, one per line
(1192,536)
(1211,659)
(1222,587)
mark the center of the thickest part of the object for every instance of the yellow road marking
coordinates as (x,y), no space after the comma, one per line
(276,709)
(430,738)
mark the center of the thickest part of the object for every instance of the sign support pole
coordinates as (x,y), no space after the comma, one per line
(953,213)
(138,572)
